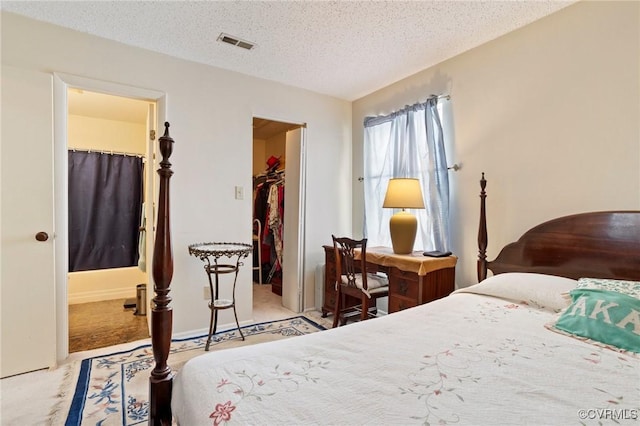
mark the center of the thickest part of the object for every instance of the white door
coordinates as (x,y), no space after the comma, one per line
(294,219)
(150,195)
(28,289)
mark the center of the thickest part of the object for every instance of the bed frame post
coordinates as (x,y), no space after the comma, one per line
(482,232)
(161,380)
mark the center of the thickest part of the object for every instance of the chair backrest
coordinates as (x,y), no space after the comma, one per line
(346,263)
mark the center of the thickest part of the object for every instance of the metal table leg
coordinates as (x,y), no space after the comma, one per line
(217,304)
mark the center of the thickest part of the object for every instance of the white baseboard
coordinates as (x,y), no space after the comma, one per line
(100,295)
(190,334)
(205,331)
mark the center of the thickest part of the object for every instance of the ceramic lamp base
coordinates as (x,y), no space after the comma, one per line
(403,226)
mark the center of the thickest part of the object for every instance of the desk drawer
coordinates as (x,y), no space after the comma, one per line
(399,303)
(403,284)
(329,300)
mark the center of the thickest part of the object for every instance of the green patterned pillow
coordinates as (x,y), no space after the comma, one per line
(608,317)
(630,288)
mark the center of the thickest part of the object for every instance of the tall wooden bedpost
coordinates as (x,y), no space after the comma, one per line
(482,232)
(161,380)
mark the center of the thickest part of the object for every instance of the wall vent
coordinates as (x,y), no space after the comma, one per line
(226,38)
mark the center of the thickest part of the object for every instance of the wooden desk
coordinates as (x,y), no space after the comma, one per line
(414,279)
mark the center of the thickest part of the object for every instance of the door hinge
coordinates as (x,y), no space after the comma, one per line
(152,135)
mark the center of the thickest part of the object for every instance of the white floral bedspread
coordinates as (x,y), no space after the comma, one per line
(467,359)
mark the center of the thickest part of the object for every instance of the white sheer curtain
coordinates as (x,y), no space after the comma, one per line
(407,144)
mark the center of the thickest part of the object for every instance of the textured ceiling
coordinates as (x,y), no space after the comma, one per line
(346,49)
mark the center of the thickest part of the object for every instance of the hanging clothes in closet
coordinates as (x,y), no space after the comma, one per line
(269,209)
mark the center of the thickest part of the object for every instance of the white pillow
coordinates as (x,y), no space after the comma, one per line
(539,290)
(630,288)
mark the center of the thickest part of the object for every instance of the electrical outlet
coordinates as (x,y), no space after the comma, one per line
(206,293)
(239,193)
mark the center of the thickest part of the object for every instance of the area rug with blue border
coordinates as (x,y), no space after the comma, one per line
(113,389)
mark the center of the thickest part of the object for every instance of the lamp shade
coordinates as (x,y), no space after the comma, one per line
(403,193)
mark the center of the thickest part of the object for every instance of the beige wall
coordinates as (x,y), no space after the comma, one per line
(210,111)
(104,284)
(90,133)
(549,112)
(259,158)
(108,135)
(263,149)
(276,146)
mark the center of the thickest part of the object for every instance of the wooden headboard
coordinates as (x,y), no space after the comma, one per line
(603,244)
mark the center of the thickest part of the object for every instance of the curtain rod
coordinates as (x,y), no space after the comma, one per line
(100,151)
(373,120)
(455,167)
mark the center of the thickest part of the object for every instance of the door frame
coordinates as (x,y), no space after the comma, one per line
(61,83)
(302,218)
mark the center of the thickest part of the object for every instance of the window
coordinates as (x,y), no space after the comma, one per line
(407,143)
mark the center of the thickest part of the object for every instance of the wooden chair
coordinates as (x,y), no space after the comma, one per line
(350,280)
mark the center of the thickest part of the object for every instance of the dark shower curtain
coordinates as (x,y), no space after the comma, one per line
(105,203)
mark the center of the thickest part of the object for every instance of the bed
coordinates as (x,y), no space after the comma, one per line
(493,353)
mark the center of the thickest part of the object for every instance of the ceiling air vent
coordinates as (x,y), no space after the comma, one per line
(226,38)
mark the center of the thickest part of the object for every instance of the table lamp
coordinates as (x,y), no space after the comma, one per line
(403,193)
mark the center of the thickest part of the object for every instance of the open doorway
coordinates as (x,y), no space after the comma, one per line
(108,183)
(278,208)
(156,114)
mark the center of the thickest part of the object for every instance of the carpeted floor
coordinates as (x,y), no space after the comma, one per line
(27,399)
(114,388)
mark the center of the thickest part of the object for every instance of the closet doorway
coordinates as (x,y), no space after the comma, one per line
(109,181)
(278,208)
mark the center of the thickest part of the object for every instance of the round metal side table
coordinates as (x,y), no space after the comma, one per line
(211,253)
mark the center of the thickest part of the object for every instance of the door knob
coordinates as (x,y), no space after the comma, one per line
(42,236)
